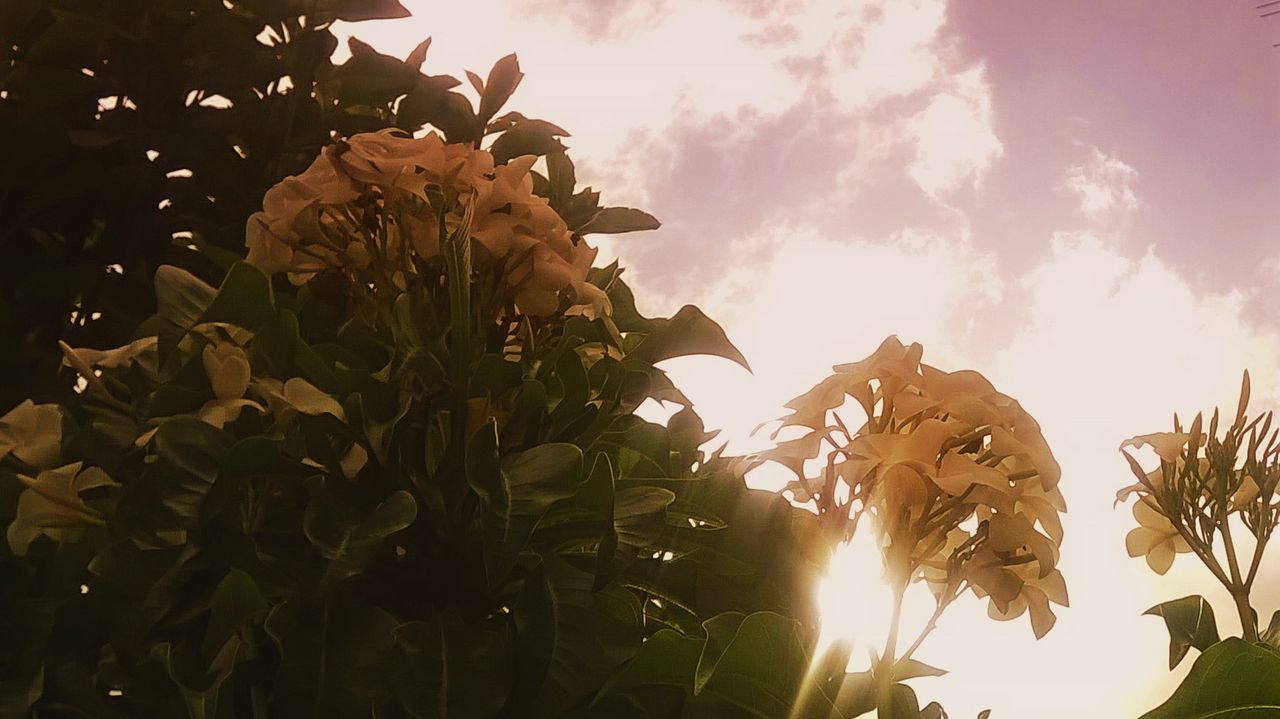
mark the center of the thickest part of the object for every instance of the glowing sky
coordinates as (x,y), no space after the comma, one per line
(1078,199)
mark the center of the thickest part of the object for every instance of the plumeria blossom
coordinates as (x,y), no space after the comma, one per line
(32,433)
(376,204)
(1155,538)
(957,477)
(50,505)
(227,367)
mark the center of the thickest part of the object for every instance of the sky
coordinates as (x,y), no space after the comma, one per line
(1077,199)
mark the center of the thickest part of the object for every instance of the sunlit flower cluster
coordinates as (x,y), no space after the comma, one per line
(1204,479)
(957,478)
(379,206)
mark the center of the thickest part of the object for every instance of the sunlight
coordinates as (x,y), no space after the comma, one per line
(856,605)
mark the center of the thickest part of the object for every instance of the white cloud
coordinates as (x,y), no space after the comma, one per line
(1103,183)
(821,302)
(955,135)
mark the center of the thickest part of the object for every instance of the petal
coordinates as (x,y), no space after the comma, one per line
(1042,617)
(1140,540)
(308,399)
(1160,558)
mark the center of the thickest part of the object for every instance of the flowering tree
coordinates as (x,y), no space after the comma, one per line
(957,482)
(1212,486)
(397,439)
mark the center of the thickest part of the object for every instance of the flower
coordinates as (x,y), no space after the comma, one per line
(51,505)
(32,433)
(311,222)
(1168,445)
(1155,537)
(227,367)
(1033,597)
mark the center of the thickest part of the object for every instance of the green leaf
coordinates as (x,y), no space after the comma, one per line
(902,704)
(615,220)
(1232,679)
(503,80)
(1271,635)
(236,601)
(761,666)
(721,631)
(1191,624)
(17,695)
(689,332)
(668,658)
(244,299)
(856,695)
(334,659)
(358,10)
(640,513)
(189,456)
(933,710)
(201,688)
(569,639)
(516,492)
(448,668)
(347,540)
(527,137)
(181,298)
(911,669)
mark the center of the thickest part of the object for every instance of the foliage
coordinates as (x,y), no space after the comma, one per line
(142,133)
(399,440)
(1209,486)
(957,481)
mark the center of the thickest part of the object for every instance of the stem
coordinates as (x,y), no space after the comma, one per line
(1239,589)
(943,603)
(884,674)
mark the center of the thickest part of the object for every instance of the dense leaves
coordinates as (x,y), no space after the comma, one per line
(398,474)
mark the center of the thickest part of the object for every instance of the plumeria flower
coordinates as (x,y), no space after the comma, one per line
(1155,537)
(1034,599)
(32,433)
(296,395)
(227,367)
(51,505)
(1168,445)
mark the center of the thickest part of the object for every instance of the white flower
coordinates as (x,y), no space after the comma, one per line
(32,433)
(51,505)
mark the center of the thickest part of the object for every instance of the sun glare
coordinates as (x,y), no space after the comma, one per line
(856,605)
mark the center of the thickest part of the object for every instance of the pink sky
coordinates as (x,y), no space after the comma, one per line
(1079,199)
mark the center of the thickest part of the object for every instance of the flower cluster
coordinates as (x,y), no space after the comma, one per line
(379,205)
(1205,479)
(959,481)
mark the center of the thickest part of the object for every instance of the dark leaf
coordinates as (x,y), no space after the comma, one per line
(689,332)
(1230,680)
(1191,624)
(614,220)
(349,540)
(503,80)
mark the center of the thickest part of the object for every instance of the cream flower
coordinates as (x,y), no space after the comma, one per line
(227,367)
(1155,537)
(51,505)
(1033,598)
(1168,445)
(32,433)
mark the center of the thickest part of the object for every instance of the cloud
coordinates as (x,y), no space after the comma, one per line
(820,302)
(955,136)
(885,123)
(598,20)
(1103,184)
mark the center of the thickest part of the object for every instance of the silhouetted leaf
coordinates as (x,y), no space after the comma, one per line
(614,220)
(1230,680)
(1191,624)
